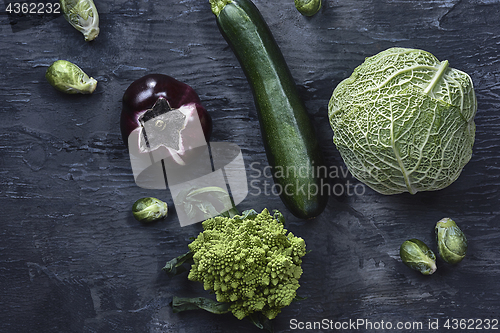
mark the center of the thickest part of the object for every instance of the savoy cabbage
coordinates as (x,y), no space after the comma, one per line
(404,121)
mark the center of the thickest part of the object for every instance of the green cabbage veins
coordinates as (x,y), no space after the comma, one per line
(404,121)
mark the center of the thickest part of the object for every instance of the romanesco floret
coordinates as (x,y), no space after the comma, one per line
(251,261)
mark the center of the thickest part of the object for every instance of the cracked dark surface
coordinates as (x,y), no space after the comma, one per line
(72,257)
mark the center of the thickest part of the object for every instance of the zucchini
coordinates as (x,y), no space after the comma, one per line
(291,145)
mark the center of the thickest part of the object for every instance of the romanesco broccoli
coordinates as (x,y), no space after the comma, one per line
(250,261)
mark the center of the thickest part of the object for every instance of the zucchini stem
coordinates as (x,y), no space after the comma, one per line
(218,5)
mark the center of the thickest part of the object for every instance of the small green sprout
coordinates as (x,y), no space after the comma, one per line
(452,243)
(83,16)
(308,7)
(149,210)
(417,255)
(69,78)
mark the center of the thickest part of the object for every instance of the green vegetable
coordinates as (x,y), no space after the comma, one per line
(180,304)
(69,78)
(291,145)
(308,7)
(417,255)
(452,243)
(149,210)
(202,203)
(404,121)
(175,266)
(249,261)
(83,16)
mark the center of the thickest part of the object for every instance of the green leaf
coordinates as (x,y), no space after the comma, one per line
(231,213)
(180,304)
(298,298)
(261,321)
(174,266)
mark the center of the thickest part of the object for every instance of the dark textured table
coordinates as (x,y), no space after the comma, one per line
(72,257)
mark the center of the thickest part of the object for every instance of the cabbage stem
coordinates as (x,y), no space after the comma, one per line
(439,74)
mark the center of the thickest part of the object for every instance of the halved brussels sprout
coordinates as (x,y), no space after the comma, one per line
(452,243)
(83,16)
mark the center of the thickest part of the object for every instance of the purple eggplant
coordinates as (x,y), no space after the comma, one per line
(155,96)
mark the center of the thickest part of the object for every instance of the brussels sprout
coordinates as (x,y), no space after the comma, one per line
(417,255)
(83,16)
(452,243)
(308,7)
(69,78)
(149,210)
(404,121)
